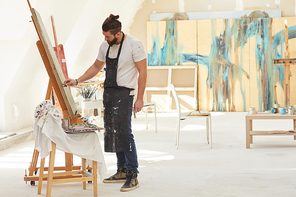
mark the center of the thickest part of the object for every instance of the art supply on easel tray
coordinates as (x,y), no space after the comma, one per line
(252,110)
(291,110)
(81,128)
(87,91)
(274,110)
(282,110)
(65,123)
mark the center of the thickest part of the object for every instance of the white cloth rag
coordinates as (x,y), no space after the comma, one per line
(48,128)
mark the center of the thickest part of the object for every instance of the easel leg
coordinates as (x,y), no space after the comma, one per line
(50,169)
(95,178)
(68,161)
(83,169)
(41,171)
(34,162)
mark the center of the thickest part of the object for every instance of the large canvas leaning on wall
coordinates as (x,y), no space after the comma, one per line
(168,41)
(234,58)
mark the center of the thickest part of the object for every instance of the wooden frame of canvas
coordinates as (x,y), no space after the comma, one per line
(54,69)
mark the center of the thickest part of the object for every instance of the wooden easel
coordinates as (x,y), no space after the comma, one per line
(52,84)
(287,61)
(68,112)
(68,157)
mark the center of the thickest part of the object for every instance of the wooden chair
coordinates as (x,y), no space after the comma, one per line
(66,177)
(145,109)
(207,115)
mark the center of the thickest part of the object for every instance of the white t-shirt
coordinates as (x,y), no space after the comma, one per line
(132,51)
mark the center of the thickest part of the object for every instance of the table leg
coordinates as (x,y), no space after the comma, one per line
(251,128)
(248,129)
(294,127)
(207,128)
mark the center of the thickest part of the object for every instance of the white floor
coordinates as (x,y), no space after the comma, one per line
(268,169)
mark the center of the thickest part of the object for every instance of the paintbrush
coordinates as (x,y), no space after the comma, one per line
(87,91)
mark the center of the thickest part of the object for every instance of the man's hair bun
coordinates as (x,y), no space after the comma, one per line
(112,24)
(113,17)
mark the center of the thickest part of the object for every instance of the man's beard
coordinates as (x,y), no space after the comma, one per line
(111,43)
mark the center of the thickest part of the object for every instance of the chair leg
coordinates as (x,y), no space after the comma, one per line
(95,178)
(155,119)
(146,117)
(50,169)
(178,133)
(41,171)
(210,126)
(207,129)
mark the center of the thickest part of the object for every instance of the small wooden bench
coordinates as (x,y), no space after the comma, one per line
(265,116)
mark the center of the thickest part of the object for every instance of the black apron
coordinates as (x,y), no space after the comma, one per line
(116,102)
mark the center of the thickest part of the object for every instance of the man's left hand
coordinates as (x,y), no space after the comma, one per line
(138,105)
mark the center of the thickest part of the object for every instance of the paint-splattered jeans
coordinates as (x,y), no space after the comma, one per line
(129,159)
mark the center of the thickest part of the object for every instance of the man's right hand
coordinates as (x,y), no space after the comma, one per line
(70,82)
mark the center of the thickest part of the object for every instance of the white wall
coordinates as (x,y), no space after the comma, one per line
(23,77)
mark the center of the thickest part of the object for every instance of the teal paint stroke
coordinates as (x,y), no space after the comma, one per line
(222,74)
(170,53)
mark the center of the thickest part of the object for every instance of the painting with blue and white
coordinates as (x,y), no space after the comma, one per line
(169,41)
(234,55)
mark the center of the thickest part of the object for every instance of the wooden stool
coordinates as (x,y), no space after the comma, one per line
(66,177)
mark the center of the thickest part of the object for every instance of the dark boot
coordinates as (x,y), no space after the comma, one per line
(131,182)
(118,177)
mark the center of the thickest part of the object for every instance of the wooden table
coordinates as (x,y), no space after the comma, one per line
(264,116)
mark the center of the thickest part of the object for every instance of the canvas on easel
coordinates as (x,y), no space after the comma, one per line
(57,77)
(69,110)
(56,80)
